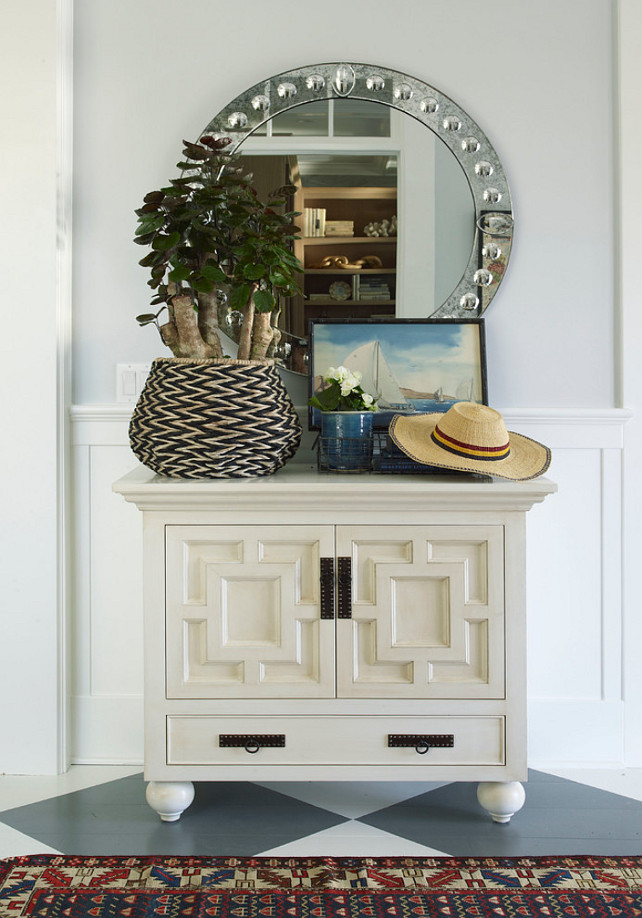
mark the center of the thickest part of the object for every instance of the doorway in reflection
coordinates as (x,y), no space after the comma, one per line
(387,214)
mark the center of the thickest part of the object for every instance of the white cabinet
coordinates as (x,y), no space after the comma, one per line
(251,611)
(308,626)
(244,615)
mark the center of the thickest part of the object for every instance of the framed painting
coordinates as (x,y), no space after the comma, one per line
(408,365)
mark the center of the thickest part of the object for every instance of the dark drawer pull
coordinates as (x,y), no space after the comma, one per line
(251,742)
(422,742)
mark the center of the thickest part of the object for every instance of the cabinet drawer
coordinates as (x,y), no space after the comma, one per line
(343,740)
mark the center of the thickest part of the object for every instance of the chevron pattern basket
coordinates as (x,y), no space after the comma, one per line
(214,419)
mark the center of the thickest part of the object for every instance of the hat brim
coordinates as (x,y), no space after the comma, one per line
(527,458)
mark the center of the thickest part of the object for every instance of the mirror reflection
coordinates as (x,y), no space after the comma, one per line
(387,213)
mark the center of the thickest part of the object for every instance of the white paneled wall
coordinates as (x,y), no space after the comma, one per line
(575,612)
(107,634)
(574,602)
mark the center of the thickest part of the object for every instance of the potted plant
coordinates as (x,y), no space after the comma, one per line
(215,247)
(346,421)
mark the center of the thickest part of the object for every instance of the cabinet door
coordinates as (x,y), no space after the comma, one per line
(243,612)
(427,612)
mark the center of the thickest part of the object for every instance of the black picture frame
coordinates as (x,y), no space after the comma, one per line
(396,348)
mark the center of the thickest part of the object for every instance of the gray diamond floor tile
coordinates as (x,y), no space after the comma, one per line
(559,817)
(113,818)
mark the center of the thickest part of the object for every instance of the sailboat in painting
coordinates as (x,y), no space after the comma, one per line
(376,375)
(464,392)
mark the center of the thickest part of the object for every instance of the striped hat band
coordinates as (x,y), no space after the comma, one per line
(470,450)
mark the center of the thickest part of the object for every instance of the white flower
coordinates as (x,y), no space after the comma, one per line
(350,383)
(338,373)
(367,399)
(344,375)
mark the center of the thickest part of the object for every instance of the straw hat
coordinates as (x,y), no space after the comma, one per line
(470,438)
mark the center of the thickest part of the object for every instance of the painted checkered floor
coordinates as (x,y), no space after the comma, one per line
(84,814)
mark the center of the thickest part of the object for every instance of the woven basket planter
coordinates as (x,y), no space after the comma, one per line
(214,419)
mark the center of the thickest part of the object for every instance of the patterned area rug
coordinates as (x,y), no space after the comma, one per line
(60,886)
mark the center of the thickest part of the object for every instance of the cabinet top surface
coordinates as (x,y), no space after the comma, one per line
(306,486)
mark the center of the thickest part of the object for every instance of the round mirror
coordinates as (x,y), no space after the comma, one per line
(396,220)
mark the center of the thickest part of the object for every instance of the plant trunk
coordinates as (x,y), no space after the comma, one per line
(245,337)
(276,332)
(262,334)
(190,341)
(169,336)
(168,332)
(208,322)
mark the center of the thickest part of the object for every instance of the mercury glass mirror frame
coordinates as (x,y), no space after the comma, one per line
(472,149)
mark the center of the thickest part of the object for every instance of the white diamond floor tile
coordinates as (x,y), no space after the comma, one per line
(624,781)
(349,798)
(16,844)
(21,790)
(352,839)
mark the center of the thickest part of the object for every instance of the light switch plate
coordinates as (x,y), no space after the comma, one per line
(130,379)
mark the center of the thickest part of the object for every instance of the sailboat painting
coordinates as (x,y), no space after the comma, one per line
(408,365)
(376,376)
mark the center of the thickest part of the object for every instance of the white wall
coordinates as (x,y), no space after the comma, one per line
(29,457)
(153,72)
(629,326)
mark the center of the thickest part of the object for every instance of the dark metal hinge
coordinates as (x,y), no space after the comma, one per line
(327,587)
(344,587)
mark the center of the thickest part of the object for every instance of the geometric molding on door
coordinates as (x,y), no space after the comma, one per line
(420,608)
(474,667)
(429,624)
(197,554)
(243,620)
(369,554)
(198,669)
(474,557)
(368,668)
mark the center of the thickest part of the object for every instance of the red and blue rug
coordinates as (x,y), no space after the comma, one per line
(60,886)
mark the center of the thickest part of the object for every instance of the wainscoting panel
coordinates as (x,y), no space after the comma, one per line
(574,591)
(107,634)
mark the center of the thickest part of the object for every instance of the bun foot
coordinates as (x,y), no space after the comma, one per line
(501,799)
(169,798)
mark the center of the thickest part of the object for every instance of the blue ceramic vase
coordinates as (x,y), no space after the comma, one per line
(346,440)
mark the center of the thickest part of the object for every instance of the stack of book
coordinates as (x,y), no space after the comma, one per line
(373,288)
(339,227)
(314,221)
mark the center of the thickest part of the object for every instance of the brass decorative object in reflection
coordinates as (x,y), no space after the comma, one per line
(343,262)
